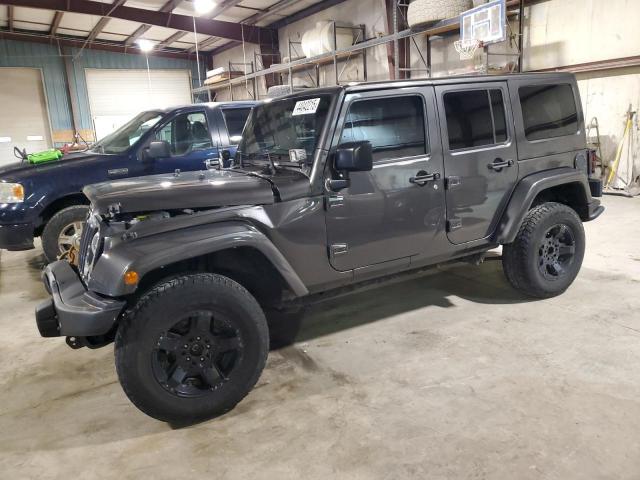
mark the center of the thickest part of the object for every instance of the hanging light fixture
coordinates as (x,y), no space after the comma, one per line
(145,45)
(203,6)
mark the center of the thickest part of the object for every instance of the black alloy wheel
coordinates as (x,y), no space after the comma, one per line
(197,355)
(556,252)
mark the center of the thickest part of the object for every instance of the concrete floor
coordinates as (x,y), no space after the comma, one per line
(452,375)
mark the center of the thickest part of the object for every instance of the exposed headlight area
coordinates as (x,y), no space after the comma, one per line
(11,192)
(90,245)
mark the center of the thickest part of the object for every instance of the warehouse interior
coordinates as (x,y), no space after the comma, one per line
(442,372)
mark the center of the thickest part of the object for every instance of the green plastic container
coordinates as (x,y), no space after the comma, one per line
(46,156)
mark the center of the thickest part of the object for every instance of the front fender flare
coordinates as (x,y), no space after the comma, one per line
(528,189)
(147,254)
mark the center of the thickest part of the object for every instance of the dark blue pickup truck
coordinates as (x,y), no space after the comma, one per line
(46,200)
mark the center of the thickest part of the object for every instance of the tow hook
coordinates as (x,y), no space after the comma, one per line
(76,342)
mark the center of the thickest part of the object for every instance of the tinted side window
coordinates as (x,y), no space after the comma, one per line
(186,133)
(548,111)
(395,126)
(235,118)
(475,118)
(497,108)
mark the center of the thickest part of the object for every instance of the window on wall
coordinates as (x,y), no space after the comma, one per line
(186,133)
(548,111)
(475,118)
(395,126)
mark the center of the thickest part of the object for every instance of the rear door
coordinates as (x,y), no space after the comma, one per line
(384,215)
(480,157)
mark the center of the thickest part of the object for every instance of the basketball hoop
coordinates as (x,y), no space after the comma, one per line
(467,48)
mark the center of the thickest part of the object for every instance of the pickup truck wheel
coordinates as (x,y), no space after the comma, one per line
(62,230)
(191,348)
(547,254)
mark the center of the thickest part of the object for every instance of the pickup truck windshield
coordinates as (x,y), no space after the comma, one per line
(280,126)
(120,140)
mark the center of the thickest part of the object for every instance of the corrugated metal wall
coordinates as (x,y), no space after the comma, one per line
(49,59)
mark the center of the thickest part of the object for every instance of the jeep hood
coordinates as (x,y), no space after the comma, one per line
(206,189)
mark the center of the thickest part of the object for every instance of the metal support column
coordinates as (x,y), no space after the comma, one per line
(71,91)
(520,34)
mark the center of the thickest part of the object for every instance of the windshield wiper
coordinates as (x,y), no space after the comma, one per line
(264,155)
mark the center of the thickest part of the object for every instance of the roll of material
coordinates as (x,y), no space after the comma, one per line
(319,40)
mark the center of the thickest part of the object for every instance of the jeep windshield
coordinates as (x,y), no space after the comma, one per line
(285,130)
(127,135)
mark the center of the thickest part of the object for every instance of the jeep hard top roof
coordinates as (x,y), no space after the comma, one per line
(460,79)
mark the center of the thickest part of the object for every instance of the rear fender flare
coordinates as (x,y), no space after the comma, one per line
(527,190)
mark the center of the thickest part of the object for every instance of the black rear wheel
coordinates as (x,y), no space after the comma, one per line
(191,348)
(546,256)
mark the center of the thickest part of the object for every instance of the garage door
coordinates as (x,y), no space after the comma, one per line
(24,122)
(115,96)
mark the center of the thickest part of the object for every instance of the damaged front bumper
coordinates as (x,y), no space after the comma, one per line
(72,310)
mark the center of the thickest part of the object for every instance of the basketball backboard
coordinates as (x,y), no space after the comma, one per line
(485,23)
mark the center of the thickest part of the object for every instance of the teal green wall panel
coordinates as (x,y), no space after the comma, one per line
(50,60)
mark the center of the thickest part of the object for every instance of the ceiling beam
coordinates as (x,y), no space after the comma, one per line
(95,31)
(169,40)
(170,5)
(223,7)
(55,24)
(215,28)
(307,12)
(272,10)
(79,43)
(141,30)
(205,43)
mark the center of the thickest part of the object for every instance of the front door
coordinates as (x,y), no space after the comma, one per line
(189,137)
(480,157)
(393,211)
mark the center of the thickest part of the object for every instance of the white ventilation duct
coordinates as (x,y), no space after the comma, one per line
(319,40)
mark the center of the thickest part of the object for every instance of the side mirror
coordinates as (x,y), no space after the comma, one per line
(158,149)
(354,157)
(224,158)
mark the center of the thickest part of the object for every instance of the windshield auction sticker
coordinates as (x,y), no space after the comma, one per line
(306,107)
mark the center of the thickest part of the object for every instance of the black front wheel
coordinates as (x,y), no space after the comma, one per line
(191,348)
(63,231)
(546,256)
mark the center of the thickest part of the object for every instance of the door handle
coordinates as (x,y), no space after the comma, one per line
(498,164)
(422,178)
(212,163)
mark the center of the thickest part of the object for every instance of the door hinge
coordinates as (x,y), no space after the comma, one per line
(452,182)
(453,224)
(339,249)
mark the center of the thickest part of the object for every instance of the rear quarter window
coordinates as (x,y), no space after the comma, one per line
(235,118)
(548,111)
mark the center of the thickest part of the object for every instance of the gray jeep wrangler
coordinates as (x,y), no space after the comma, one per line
(331,189)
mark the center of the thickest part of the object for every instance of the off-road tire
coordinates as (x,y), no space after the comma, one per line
(521,257)
(155,312)
(426,11)
(284,326)
(53,228)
